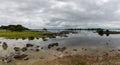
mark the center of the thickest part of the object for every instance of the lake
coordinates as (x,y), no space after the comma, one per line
(83,38)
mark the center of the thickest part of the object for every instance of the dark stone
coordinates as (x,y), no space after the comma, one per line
(23,38)
(20,56)
(31,38)
(85,49)
(37,38)
(24,49)
(61,49)
(4,45)
(41,47)
(29,45)
(55,44)
(50,35)
(37,46)
(106,54)
(52,45)
(49,46)
(26,59)
(82,48)
(37,50)
(66,52)
(16,48)
(44,38)
(74,49)
(16,38)
(118,49)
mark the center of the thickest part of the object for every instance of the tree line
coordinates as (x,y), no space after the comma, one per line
(14,28)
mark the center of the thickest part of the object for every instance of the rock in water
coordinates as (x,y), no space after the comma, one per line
(5,46)
(24,49)
(6,59)
(52,45)
(31,38)
(20,56)
(29,45)
(61,49)
(16,48)
(44,38)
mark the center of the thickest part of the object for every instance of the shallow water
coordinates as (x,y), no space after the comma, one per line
(89,38)
(81,39)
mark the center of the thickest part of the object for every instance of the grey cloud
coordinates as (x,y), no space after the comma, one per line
(60,13)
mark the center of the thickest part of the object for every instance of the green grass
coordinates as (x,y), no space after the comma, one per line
(25,34)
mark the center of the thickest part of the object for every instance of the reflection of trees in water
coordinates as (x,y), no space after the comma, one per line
(101,32)
(107,34)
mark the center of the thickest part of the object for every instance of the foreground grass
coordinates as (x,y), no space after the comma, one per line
(24,34)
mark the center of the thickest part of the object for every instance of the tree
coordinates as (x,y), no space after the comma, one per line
(44,29)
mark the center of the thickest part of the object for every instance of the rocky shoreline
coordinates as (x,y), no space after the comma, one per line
(87,56)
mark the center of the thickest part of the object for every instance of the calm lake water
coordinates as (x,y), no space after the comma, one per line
(81,39)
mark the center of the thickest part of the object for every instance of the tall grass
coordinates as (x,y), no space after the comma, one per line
(25,34)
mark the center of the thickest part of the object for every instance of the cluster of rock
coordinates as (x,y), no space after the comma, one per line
(52,45)
(60,49)
(54,35)
(50,36)
(18,55)
(13,56)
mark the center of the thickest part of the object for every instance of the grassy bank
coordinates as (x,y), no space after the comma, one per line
(24,34)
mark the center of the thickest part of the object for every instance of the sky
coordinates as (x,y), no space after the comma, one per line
(37,14)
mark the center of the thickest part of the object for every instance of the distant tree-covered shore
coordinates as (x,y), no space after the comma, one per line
(18,28)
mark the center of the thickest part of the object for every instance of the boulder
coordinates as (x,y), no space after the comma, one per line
(52,45)
(16,48)
(4,45)
(61,49)
(20,56)
(24,49)
(26,59)
(31,38)
(74,49)
(29,45)
(37,50)
(44,38)
(23,38)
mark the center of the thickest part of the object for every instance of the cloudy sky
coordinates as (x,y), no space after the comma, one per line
(61,13)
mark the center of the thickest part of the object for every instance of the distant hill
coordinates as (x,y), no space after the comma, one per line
(14,28)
